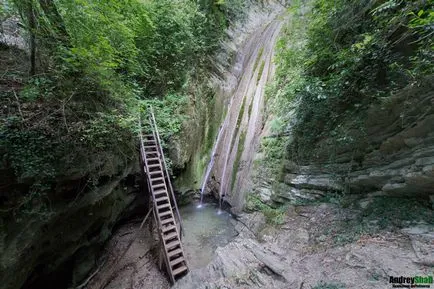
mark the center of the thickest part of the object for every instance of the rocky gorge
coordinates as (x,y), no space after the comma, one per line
(348,212)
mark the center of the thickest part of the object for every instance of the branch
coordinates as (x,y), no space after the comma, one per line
(63,110)
(19,106)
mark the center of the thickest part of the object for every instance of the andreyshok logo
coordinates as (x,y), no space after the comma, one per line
(411,282)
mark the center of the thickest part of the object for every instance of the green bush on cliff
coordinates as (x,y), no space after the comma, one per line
(273,216)
(350,55)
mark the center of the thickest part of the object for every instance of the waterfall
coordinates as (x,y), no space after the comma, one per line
(210,164)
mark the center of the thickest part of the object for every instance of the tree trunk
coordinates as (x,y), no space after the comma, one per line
(32,42)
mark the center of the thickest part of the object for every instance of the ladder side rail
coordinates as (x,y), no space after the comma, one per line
(143,161)
(154,124)
(148,178)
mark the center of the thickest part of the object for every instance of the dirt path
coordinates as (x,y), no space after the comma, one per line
(129,262)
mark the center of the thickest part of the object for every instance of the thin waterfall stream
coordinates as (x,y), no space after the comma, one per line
(210,165)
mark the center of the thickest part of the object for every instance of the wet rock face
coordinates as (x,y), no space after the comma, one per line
(210,102)
(395,157)
(59,248)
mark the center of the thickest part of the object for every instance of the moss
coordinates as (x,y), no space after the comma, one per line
(261,51)
(382,214)
(238,158)
(240,117)
(261,69)
(209,112)
(250,108)
(273,216)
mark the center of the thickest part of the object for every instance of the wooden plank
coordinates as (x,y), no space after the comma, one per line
(167,221)
(169,228)
(163,206)
(165,214)
(174,252)
(172,244)
(170,236)
(177,261)
(180,270)
(161,199)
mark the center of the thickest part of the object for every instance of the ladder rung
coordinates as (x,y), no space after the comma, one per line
(165,213)
(161,198)
(179,270)
(150,147)
(154,166)
(162,187)
(167,221)
(170,236)
(152,159)
(172,244)
(155,172)
(174,252)
(160,191)
(163,206)
(157,179)
(160,195)
(176,261)
(168,228)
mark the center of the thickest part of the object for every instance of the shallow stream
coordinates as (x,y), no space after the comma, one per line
(206,228)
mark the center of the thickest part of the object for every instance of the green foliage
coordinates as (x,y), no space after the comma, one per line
(27,150)
(174,46)
(273,216)
(169,112)
(5,9)
(102,35)
(337,70)
(100,65)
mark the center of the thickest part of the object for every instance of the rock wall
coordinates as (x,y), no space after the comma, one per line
(390,152)
(210,97)
(52,248)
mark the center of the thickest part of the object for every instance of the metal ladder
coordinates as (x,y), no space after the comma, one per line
(165,209)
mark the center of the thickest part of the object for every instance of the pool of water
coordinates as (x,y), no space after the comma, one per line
(206,228)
